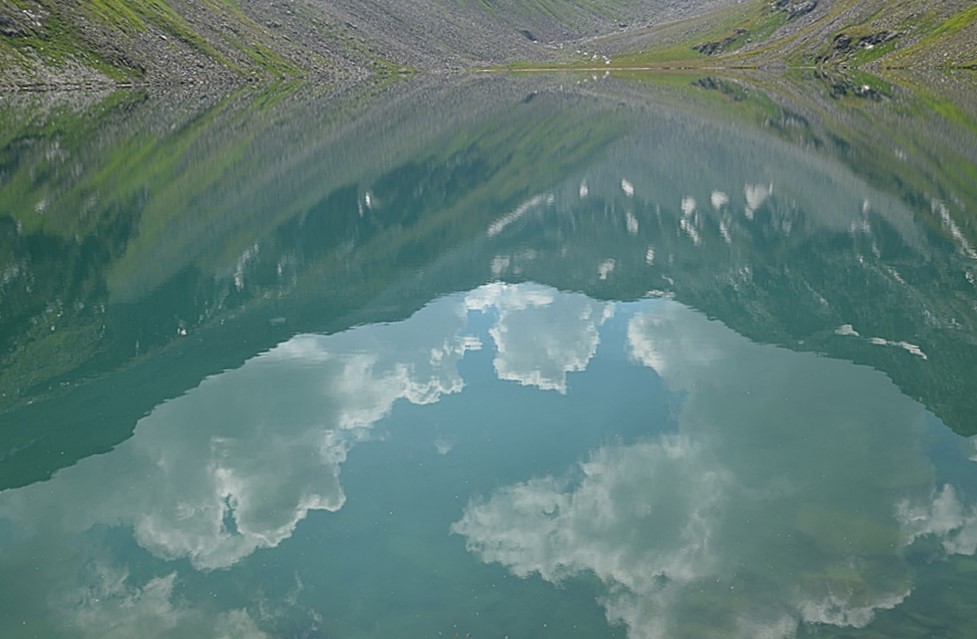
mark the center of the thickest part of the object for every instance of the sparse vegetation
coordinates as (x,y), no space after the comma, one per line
(150,41)
(874,34)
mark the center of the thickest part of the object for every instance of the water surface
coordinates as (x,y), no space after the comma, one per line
(514,357)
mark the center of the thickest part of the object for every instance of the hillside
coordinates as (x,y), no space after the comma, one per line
(847,33)
(75,42)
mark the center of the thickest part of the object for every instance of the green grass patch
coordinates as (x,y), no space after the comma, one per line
(61,39)
(940,35)
(956,23)
(708,40)
(121,15)
(58,42)
(866,55)
(664,56)
(255,45)
(127,17)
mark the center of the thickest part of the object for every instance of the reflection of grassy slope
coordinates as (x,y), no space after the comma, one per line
(918,144)
(439,189)
(792,290)
(65,223)
(92,172)
(928,160)
(440,166)
(937,156)
(21,127)
(191,213)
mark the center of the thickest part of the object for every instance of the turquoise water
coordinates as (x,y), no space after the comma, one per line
(504,358)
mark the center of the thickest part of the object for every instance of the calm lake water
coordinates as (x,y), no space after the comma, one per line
(567,357)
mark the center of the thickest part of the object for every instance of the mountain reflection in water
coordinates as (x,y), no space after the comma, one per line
(688,351)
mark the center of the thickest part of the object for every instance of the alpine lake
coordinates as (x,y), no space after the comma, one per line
(573,356)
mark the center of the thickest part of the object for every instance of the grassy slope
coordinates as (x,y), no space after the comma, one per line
(955,35)
(118,40)
(884,33)
(879,33)
(91,41)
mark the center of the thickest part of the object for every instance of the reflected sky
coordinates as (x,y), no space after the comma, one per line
(787,496)
(540,336)
(235,464)
(784,490)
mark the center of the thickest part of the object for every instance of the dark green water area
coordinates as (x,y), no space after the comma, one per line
(670,357)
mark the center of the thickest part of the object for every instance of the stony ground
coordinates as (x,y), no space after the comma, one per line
(45,43)
(845,33)
(61,42)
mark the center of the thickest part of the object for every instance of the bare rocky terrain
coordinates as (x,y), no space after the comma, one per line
(80,43)
(73,43)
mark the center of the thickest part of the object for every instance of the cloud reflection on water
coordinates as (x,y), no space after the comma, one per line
(540,335)
(235,464)
(789,495)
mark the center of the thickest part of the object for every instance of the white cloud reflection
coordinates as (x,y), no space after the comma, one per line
(540,335)
(774,505)
(236,463)
(590,521)
(945,517)
(788,494)
(111,606)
